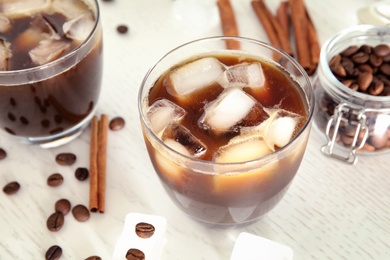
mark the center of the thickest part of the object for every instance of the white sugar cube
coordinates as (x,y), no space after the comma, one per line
(150,246)
(252,247)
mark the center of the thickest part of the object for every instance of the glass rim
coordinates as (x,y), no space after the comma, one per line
(325,56)
(269,158)
(33,70)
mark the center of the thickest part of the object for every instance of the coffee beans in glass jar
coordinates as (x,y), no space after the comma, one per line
(352,89)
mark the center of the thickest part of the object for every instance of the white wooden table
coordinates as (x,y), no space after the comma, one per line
(332,210)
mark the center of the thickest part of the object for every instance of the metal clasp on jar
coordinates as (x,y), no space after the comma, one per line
(345,114)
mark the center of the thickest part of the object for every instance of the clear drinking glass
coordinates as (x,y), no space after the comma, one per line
(49,95)
(232,192)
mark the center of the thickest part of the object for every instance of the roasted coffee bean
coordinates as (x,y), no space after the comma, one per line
(375,60)
(364,81)
(66,158)
(80,213)
(94,257)
(53,253)
(81,173)
(117,123)
(135,254)
(3,154)
(376,88)
(335,60)
(348,66)
(122,29)
(350,50)
(366,49)
(11,188)
(24,120)
(365,68)
(63,206)
(339,70)
(360,57)
(354,87)
(385,69)
(144,230)
(348,82)
(55,221)
(55,180)
(382,50)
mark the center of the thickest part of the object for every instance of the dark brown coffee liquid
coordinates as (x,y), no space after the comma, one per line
(55,104)
(280,91)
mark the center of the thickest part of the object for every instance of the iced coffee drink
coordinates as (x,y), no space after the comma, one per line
(50,68)
(226,131)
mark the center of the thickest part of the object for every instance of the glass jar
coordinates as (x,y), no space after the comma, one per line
(354,122)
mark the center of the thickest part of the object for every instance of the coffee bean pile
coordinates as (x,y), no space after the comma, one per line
(364,69)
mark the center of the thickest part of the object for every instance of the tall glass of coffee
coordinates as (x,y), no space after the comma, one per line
(50,69)
(226,129)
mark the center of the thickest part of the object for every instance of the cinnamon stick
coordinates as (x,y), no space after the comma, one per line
(283,17)
(101,161)
(272,27)
(300,27)
(314,44)
(93,169)
(228,23)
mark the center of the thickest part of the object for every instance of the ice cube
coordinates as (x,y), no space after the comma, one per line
(180,139)
(21,6)
(47,51)
(230,111)
(5,54)
(79,28)
(242,148)
(243,75)
(5,23)
(196,75)
(40,29)
(238,177)
(279,128)
(71,8)
(162,112)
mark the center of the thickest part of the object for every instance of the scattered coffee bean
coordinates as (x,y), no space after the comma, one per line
(135,254)
(66,159)
(94,257)
(63,206)
(3,154)
(81,173)
(122,29)
(53,253)
(11,188)
(117,123)
(55,180)
(55,221)
(80,213)
(144,230)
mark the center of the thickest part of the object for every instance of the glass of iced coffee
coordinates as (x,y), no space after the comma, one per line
(226,129)
(50,69)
